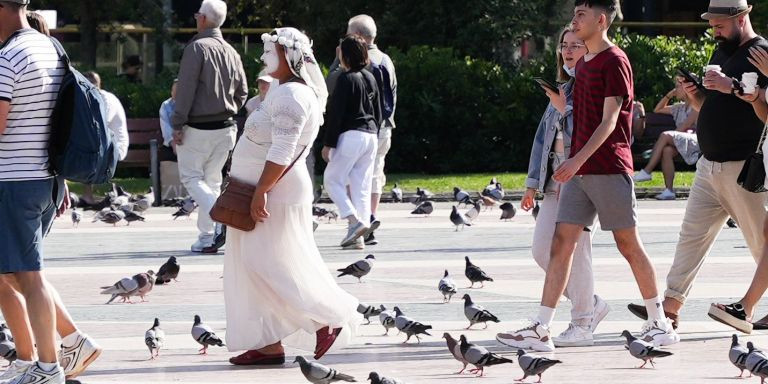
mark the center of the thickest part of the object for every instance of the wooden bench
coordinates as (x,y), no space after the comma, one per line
(144,138)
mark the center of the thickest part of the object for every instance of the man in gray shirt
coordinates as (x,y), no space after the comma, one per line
(211,89)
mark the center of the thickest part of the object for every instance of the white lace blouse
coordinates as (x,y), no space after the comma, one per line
(287,119)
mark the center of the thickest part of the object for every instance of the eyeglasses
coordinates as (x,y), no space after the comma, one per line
(571,47)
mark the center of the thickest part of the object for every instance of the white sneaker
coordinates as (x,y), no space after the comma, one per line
(574,336)
(76,358)
(601,310)
(666,195)
(357,244)
(642,176)
(659,332)
(199,245)
(353,233)
(534,336)
(36,375)
(14,371)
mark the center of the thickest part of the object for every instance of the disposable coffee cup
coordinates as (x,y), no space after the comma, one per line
(712,68)
(749,79)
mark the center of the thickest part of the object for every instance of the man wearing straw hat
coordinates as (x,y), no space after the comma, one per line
(729,129)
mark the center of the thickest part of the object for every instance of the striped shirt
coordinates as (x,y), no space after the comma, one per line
(608,74)
(30,76)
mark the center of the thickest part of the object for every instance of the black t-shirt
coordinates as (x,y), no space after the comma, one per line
(728,128)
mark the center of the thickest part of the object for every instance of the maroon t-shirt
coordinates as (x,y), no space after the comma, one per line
(607,74)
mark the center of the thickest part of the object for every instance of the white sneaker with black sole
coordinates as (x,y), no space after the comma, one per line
(14,371)
(601,310)
(37,375)
(76,358)
(659,333)
(574,336)
(354,231)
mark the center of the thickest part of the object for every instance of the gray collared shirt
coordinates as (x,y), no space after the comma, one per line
(212,84)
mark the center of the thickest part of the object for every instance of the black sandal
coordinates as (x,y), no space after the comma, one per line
(732,315)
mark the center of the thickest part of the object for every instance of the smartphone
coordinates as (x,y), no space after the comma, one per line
(689,77)
(547,84)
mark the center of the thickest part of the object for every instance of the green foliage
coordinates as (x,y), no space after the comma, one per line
(655,59)
(139,100)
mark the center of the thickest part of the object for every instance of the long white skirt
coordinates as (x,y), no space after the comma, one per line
(276,285)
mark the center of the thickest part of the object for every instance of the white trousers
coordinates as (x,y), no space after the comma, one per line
(352,165)
(201,159)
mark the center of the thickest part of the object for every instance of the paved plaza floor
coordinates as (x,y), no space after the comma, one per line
(410,260)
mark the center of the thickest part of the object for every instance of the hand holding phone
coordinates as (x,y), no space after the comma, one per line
(547,84)
(690,78)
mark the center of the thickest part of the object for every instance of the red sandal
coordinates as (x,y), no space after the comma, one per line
(325,340)
(254,357)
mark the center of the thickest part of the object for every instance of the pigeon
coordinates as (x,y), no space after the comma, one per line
(757,362)
(508,211)
(120,191)
(6,331)
(387,319)
(454,348)
(131,216)
(332,215)
(447,287)
(124,288)
(488,202)
(409,326)
(397,194)
(146,282)
(738,355)
(359,268)
(120,201)
(154,338)
(424,208)
(461,196)
(473,212)
(74,200)
(187,207)
(204,336)
(109,216)
(168,271)
(731,223)
(317,373)
(7,346)
(497,193)
(475,313)
(535,211)
(475,274)
(422,195)
(490,187)
(643,350)
(367,311)
(479,356)
(319,211)
(76,217)
(145,201)
(534,365)
(375,378)
(318,194)
(458,220)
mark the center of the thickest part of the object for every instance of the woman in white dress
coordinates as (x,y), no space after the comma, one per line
(277,288)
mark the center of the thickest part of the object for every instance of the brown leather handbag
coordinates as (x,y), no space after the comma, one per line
(233,207)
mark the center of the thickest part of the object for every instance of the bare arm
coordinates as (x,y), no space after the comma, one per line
(663,105)
(5,107)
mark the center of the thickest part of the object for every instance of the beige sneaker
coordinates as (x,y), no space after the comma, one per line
(534,336)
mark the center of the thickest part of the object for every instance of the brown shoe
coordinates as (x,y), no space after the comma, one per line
(254,357)
(325,340)
(641,312)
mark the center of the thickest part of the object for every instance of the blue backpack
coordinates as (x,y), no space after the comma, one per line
(81,147)
(386,95)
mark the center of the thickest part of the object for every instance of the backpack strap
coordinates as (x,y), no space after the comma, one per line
(62,53)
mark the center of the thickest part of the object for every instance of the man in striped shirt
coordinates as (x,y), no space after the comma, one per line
(30,76)
(596,178)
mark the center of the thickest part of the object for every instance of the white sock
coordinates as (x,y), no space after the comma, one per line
(546,315)
(71,339)
(48,367)
(655,308)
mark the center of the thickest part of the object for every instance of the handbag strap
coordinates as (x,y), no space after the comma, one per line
(287,169)
(762,138)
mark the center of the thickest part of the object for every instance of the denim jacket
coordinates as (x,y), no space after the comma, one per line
(538,166)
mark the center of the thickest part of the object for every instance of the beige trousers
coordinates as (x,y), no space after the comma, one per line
(714,197)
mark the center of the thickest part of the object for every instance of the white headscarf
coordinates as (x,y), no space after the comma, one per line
(301,59)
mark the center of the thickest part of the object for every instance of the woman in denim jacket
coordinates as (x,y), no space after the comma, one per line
(550,148)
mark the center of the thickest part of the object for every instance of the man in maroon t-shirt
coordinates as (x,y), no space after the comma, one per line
(596,180)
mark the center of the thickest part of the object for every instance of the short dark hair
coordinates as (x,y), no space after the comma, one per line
(354,51)
(612,8)
(37,22)
(12,5)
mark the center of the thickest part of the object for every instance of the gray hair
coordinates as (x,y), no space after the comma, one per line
(362,25)
(215,12)
(94,78)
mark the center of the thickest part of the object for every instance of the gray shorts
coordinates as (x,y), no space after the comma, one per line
(26,214)
(610,197)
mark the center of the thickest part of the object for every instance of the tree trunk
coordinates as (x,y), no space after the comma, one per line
(89,25)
